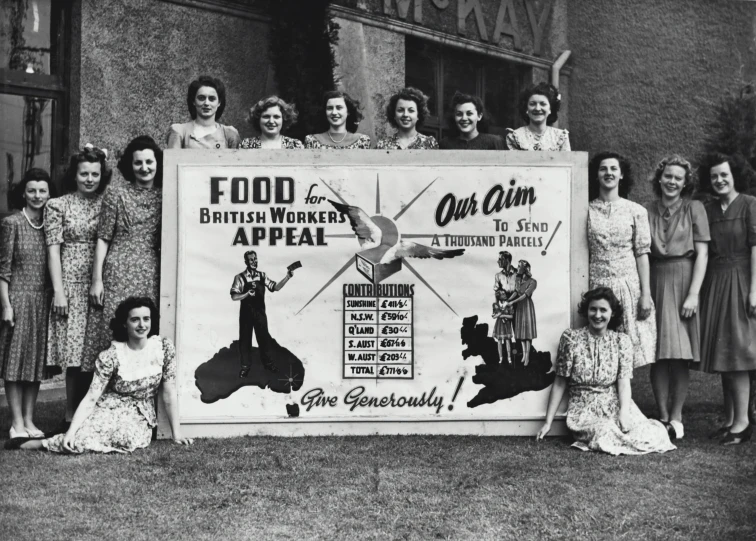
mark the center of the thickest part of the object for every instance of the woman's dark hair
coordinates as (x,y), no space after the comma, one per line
(212,82)
(35,174)
(408,94)
(625,185)
(90,155)
(602,293)
(354,114)
(527,266)
(739,167)
(118,323)
(673,159)
(458,99)
(541,89)
(143,142)
(289,112)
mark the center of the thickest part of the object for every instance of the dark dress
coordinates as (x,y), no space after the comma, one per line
(483,141)
(674,232)
(23,264)
(525,317)
(728,335)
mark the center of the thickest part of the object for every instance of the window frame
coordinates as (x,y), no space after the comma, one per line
(54,86)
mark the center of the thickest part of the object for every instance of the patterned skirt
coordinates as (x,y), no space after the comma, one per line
(728,341)
(676,338)
(592,418)
(65,345)
(23,347)
(114,426)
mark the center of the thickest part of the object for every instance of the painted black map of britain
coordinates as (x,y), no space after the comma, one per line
(502,380)
(219,378)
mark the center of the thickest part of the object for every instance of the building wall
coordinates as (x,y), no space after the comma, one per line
(138,57)
(647,74)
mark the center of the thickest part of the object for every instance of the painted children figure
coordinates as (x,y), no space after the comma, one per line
(503,313)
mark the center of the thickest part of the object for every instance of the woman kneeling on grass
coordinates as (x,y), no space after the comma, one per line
(118,413)
(596,364)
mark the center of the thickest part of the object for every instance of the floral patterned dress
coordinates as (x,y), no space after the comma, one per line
(286,143)
(71,222)
(422,142)
(618,232)
(362,142)
(123,418)
(23,264)
(130,222)
(592,365)
(552,139)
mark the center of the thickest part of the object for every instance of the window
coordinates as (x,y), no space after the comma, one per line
(441,71)
(33,89)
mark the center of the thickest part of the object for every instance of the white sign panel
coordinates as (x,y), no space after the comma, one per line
(418,288)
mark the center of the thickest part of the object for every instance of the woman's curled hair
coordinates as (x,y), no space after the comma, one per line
(88,154)
(541,89)
(212,82)
(118,322)
(742,173)
(35,174)
(626,171)
(289,112)
(602,293)
(354,113)
(408,94)
(673,159)
(143,142)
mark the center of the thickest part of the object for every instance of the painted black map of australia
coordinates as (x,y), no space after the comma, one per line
(502,380)
(219,377)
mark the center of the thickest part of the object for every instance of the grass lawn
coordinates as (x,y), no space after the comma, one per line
(387,487)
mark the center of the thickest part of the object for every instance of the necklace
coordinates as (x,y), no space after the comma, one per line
(40,226)
(334,140)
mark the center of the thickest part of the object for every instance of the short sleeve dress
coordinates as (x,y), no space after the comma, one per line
(23,264)
(618,232)
(362,142)
(552,139)
(286,143)
(728,340)
(182,136)
(71,222)
(421,142)
(674,232)
(130,221)
(123,418)
(592,365)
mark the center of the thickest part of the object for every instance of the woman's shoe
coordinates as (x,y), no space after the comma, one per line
(35,434)
(736,438)
(14,444)
(720,432)
(20,434)
(675,430)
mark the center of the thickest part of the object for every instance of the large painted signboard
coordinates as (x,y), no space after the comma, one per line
(359,292)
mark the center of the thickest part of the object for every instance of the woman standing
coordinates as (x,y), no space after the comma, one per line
(525,329)
(595,364)
(206,100)
(539,107)
(127,257)
(728,295)
(343,116)
(269,117)
(71,235)
(25,300)
(406,111)
(619,241)
(679,253)
(467,114)
(118,413)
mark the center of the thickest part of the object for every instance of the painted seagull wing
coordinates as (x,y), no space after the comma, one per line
(412,249)
(368,233)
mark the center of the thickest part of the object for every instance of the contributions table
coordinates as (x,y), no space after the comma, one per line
(378,337)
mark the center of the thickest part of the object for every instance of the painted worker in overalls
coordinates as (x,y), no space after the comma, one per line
(249,288)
